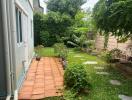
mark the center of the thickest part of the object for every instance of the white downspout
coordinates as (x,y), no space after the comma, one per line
(6,46)
(13,38)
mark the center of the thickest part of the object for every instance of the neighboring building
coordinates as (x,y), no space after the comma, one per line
(40,6)
(16,44)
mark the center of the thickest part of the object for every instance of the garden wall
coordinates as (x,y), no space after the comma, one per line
(126,47)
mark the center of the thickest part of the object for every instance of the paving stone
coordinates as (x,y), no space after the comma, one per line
(82,59)
(37,96)
(78,56)
(43,79)
(90,62)
(71,52)
(124,97)
(102,73)
(24,96)
(98,67)
(38,91)
(115,82)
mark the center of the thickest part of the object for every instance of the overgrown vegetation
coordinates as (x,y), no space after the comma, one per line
(111,56)
(101,87)
(114,16)
(50,28)
(64,21)
(76,78)
(60,50)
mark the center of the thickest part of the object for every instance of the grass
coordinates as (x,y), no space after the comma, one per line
(45,52)
(101,88)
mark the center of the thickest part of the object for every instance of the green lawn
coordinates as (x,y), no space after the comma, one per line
(46,52)
(101,88)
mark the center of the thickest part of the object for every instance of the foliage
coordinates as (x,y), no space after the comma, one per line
(81,42)
(114,16)
(116,53)
(69,95)
(58,23)
(106,56)
(101,89)
(111,56)
(69,7)
(50,28)
(61,50)
(39,26)
(44,38)
(81,30)
(76,78)
(78,41)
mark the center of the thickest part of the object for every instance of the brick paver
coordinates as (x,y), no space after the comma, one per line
(44,79)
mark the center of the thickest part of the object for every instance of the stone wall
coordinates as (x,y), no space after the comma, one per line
(126,47)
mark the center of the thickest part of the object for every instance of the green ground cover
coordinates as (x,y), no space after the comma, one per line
(101,87)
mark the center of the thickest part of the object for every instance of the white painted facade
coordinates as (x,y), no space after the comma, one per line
(17,43)
(24,49)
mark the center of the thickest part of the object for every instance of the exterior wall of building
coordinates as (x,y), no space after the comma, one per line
(126,47)
(3,89)
(40,6)
(24,50)
(37,7)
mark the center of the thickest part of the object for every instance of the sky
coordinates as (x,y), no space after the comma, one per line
(89,4)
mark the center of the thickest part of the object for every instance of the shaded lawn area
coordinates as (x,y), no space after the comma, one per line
(45,52)
(101,87)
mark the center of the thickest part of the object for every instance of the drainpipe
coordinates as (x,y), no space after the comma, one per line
(6,46)
(13,45)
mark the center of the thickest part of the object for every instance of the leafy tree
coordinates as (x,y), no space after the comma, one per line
(114,16)
(58,23)
(39,25)
(69,7)
(54,23)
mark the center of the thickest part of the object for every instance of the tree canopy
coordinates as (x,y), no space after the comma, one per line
(114,16)
(64,19)
(70,7)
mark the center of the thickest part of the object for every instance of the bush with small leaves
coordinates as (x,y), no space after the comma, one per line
(76,78)
(61,50)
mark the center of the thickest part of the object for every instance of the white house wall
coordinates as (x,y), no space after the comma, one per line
(27,10)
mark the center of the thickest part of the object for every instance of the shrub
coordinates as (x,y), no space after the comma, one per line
(111,56)
(61,50)
(44,38)
(69,95)
(108,57)
(116,53)
(76,78)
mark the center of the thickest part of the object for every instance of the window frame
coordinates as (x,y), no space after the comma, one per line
(31,28)
(19,25)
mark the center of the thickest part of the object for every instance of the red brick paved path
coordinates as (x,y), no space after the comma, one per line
(44,79)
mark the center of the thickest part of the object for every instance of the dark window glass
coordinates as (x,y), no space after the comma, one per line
(18,25)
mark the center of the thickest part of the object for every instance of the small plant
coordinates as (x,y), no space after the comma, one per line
(116,53)
(76,78)
(61,50)
(111,56)
(108,57)
(69,95)
(38,57)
